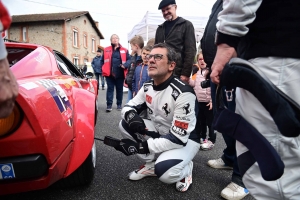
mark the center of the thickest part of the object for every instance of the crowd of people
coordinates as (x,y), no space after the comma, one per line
(172,103)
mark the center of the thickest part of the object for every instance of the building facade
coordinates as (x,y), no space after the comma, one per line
(75,34)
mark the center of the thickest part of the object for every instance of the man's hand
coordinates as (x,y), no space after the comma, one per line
(223,55)
(129,147)
(122,66)
(135,122)
(184,78)
(8,89)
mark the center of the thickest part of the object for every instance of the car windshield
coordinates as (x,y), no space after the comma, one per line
(16,54)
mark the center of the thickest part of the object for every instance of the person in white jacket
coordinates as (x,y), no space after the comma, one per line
(167,142)
(205,112)
(266,34)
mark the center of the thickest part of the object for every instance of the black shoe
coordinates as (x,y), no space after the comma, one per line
(119,107)
(108,109)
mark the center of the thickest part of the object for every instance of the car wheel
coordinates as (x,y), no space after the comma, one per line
(83,175)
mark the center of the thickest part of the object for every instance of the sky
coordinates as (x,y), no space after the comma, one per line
(114,16)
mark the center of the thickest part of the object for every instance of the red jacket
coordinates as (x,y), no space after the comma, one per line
(107,57)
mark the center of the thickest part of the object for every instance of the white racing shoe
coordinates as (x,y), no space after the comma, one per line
(185,183)
(145,170)
(234,192)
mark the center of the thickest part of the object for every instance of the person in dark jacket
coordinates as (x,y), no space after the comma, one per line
(84,69)
(141,71)
(136,44)
(179,34)
(97,68)
(114,61)
(229,158)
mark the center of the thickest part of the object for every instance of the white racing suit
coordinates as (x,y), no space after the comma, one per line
(171,110)
(283,73)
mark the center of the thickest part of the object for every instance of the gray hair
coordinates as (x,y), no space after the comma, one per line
(171,54)
(114,35)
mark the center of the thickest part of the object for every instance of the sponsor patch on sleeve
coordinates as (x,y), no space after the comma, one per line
(178,131)
(182,125)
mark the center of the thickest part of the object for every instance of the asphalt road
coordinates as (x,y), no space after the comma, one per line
(110,181)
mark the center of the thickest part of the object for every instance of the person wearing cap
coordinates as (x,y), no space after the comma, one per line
(179,34)
(97,68)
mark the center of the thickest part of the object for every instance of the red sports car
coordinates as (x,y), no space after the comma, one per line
(49,137)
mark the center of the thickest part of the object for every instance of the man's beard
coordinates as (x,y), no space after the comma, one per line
(168,17)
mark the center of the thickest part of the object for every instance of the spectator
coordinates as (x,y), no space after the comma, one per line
(263,30)
(141,71)
(151,42)
(205,113)
(97,68)
(84,69)
(179,34)
(8,84)
(170,134)
(114,61)
(236,188)
(136,43)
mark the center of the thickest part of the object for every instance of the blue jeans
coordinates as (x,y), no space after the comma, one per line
(129,95)
(97,75)
(111,84)
(229,153)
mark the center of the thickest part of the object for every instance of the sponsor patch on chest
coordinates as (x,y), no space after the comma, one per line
(148,99)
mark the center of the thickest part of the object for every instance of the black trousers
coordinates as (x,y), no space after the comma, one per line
(204,120)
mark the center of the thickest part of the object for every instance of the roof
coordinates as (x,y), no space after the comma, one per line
(50,17)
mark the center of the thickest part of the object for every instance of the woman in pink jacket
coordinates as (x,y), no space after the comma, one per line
(205,112)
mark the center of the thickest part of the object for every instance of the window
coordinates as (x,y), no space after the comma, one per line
(93,45)
(85,60)
(66,66)
(75,38)
(76,61)
(84,40)
(24,34)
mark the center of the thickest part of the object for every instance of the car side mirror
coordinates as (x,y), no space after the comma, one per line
(89,75)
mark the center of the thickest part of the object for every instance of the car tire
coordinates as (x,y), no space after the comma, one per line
(84,175)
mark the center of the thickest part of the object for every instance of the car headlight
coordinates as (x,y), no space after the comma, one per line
(10,123)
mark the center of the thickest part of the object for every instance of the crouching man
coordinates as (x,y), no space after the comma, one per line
(167,142)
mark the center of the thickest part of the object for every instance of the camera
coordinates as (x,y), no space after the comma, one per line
(205,84)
